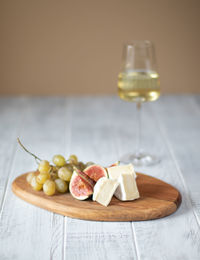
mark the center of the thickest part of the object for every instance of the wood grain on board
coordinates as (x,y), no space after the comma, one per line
(157,199)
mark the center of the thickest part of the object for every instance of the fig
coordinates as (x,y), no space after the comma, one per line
(95,172)
(85,177)
(79,188)
(115,164)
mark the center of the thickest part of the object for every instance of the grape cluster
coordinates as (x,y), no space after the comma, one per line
(56,177)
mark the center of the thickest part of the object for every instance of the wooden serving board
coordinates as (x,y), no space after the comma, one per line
(157,199)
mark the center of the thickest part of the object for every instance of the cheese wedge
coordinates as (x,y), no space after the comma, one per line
(104,190)
(127,189)
(125,174)
(115,171)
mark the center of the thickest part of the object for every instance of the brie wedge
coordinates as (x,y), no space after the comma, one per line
(104,190)
(115,171)
(127,189)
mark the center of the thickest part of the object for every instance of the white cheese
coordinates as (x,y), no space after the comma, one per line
(127,189)
(104,190)
(125,174)
(115,171)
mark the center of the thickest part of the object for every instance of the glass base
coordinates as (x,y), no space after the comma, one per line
(140,159)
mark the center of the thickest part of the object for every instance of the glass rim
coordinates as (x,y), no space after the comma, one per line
(139,42)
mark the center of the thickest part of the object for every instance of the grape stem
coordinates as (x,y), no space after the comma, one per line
(36,157)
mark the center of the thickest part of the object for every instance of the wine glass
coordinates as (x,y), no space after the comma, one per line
(139,82)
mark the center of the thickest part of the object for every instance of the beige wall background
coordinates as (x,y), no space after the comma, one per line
(74,47)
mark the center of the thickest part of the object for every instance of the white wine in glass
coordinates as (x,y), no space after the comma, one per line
(139,82)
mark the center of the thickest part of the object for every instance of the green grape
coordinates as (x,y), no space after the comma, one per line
(42,177)
(44,167)
(55,168)
(61,186)
(81,166)
(64,174)
(30,176)
(54,175)
(69,166)
(73,159)
(49,187)
(35,185)
(59,160)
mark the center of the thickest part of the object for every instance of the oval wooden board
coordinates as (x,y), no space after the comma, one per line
(157,199)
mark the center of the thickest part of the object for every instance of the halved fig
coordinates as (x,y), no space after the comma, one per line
(85,177)
(95,172)
(79,188)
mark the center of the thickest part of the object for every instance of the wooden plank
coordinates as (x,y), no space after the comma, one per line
(23,225)
(99,240)
(183,130)
(91,139)
(159,239)
(9,127)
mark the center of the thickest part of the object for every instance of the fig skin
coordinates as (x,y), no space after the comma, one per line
(115,164)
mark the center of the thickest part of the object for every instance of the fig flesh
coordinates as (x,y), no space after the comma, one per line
(95,172)
(85,177)
(79,188)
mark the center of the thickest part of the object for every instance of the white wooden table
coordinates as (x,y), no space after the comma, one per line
(100,129)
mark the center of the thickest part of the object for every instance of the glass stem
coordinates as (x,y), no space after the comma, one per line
(139,105)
